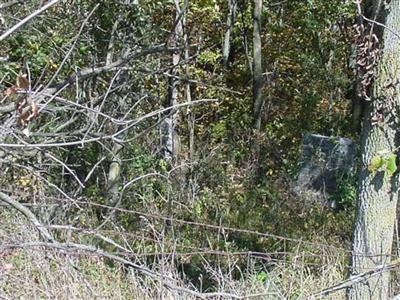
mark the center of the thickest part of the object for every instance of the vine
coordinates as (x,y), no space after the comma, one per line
(383,162)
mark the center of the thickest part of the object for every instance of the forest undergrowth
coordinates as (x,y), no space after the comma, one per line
(30,270)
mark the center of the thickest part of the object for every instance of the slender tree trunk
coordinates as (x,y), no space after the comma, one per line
(114,172)
(244,33)
(258,100)
(378,188)
(229,26)
(170,139)
(188,92)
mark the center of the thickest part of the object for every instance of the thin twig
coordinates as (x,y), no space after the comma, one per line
(167,281)
(27,213)
(106,137)
(357,279)
(89,72)
(72,172)
(10,3)
(72,46)
(27,19)
(382,25)
(212,226)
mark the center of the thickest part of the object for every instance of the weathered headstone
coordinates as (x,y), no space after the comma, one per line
(323,159)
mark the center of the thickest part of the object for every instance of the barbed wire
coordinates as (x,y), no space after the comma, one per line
(214,227)
(204,225)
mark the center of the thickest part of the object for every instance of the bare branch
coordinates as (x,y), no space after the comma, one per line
(168,282)
(27,213)
(10,3)
(358,278)
(72,172)
(382,25)
(89,72)
(27,19)
(73,44)
(114,136)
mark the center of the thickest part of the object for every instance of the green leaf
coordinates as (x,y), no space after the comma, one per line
(262,276)
(376,163)
(163,165)
(391,166)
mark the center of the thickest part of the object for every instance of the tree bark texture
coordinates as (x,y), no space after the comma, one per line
(170,137)
(229,26)
(114,172)
(257,65)
(377,190)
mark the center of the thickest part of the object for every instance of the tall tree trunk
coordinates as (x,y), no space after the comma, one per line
(378,187)
(114,171)
(244,33)
(258,100)
(229,26)
(188,93)
(170,138)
